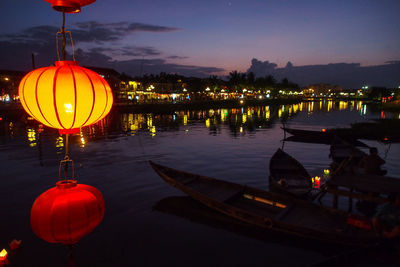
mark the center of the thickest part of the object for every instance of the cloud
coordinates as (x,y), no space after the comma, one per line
(348,75)
(93,31)
(126,51)
(139,51)
(139,67)
(155,66)
(90,31)
(34,35)
(102,51)
(177,57)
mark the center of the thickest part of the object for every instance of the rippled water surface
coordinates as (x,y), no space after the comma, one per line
(234,145)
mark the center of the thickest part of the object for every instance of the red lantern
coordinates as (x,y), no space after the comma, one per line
(66,96)
(66,213)
(69,6)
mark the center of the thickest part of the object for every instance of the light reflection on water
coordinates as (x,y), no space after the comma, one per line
(230,144)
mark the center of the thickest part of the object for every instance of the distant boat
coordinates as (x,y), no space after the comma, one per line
(287,175)
(268,210)
(325,136)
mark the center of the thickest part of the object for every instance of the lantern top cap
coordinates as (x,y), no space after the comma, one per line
(66,184)
(66,63)
(69,6)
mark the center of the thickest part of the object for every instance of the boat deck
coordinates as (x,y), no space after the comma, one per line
(373,188)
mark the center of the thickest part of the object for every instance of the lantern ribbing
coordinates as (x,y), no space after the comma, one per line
(66,96)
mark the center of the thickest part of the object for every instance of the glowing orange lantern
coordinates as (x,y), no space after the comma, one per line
(65,96)
(316,181)
(67,212)
(69,6)
(3,258)
(3,255)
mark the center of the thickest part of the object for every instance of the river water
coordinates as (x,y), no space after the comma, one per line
(147,222)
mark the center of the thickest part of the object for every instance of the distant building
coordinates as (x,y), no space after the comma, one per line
(322,90)
(111,76)
(9,82)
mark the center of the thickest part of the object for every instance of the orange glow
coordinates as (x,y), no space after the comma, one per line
(66,96)
(3,255)
(323,130)
(266,201)
(316,181)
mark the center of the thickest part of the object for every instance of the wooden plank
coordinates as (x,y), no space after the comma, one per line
(356,195)
(284,212)
(367,183)
(351,200)
(209,189)
(284,165)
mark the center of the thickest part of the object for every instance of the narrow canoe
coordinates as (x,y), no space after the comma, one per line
(287,175)
(268,210)
(322,137)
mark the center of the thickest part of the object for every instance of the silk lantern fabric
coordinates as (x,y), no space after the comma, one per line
(67,212)
(65,96)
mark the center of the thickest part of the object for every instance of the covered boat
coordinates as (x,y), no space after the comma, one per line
(268,210)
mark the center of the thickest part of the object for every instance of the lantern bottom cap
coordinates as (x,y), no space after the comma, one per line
(65,184)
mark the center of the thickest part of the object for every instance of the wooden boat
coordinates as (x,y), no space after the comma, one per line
(287,175)
(325,141)
(325,136)
(268,210)
(341,150)
(309,133)
(345,157)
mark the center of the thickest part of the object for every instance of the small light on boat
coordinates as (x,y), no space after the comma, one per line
(15,244)
(385,139)
(316,181)
(359,221)
(327,172)
(3,255)
(324,130)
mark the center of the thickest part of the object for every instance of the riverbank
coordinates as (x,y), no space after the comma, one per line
(167,107)
(198,105)
(393,106)
(160,107)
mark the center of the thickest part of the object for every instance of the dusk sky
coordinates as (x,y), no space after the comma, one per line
(207,36)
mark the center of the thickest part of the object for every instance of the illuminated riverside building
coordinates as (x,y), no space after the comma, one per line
(158,89)
(9,81)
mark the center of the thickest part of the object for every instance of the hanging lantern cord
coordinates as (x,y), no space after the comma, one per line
(63,33)
(71,256)
(63,36)
(66,157)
